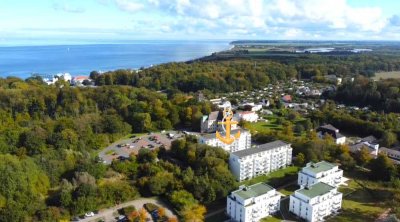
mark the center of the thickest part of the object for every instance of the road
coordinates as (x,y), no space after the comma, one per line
(108,214)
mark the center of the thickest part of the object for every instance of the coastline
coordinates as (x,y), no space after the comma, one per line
(23,61)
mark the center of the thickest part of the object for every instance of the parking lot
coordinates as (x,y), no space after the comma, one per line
(124,148)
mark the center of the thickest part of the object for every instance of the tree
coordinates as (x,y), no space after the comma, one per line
(141,122)
(363,156)
(298,128)
(181,198)
(161,212)
(142,215)
(23,186)
(172,219)
(388,138)
(347,161)
(146,156)
(194,213)
(300,159)
(382,168)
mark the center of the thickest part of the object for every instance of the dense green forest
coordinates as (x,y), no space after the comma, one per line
(381,95)
(240,74)
(48,141)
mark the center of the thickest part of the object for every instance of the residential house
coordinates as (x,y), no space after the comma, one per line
(332,131)
(252,203)
(370,143)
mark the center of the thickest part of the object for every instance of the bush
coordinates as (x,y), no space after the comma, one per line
(150,207)
(127,210)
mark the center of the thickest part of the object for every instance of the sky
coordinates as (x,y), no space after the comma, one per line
(89,21)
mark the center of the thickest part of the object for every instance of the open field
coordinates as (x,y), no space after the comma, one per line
(387,75)
(262,125)
(362,201)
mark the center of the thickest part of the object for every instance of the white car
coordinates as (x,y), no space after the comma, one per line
(89,214)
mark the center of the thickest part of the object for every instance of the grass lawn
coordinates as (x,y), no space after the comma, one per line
(289,189)
(262,125)
(272,218)
(360,204)
(219,217)
(110,152)
(276,178)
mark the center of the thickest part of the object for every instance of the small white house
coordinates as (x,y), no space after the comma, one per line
(252,203)
(332,131)
(249,116)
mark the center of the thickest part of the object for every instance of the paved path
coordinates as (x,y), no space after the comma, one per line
(384,216)
(107,214)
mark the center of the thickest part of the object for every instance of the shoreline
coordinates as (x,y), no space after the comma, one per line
(101,57)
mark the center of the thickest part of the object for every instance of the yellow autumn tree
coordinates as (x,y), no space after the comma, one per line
(194,213)
(161,211)
(142,215)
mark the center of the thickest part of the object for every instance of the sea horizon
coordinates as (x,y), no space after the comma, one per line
(81,59)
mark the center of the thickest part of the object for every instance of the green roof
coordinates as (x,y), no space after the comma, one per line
(316,190)
(254,190)
(319,167)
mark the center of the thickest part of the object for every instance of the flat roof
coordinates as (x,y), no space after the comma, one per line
(254,190)
(319,167)
(315,190)
(260,148)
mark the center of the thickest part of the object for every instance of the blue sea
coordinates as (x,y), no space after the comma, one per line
(22,61)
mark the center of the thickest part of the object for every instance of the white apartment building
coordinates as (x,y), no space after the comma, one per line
(261,159)
(244,141)
(323,171)
(313,203)
(251,204)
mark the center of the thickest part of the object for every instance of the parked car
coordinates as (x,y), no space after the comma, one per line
(89,214)
(122,218)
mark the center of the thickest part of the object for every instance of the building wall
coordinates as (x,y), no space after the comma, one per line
(252,209)
(315,209)
(341,140)
(244,142)
(260,163)
(332,177)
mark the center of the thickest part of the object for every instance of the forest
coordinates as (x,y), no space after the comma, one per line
(237,74)
(383,95)
(49,137)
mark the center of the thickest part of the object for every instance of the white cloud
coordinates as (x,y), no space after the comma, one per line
(67,8)
(270,18)
(129,5)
